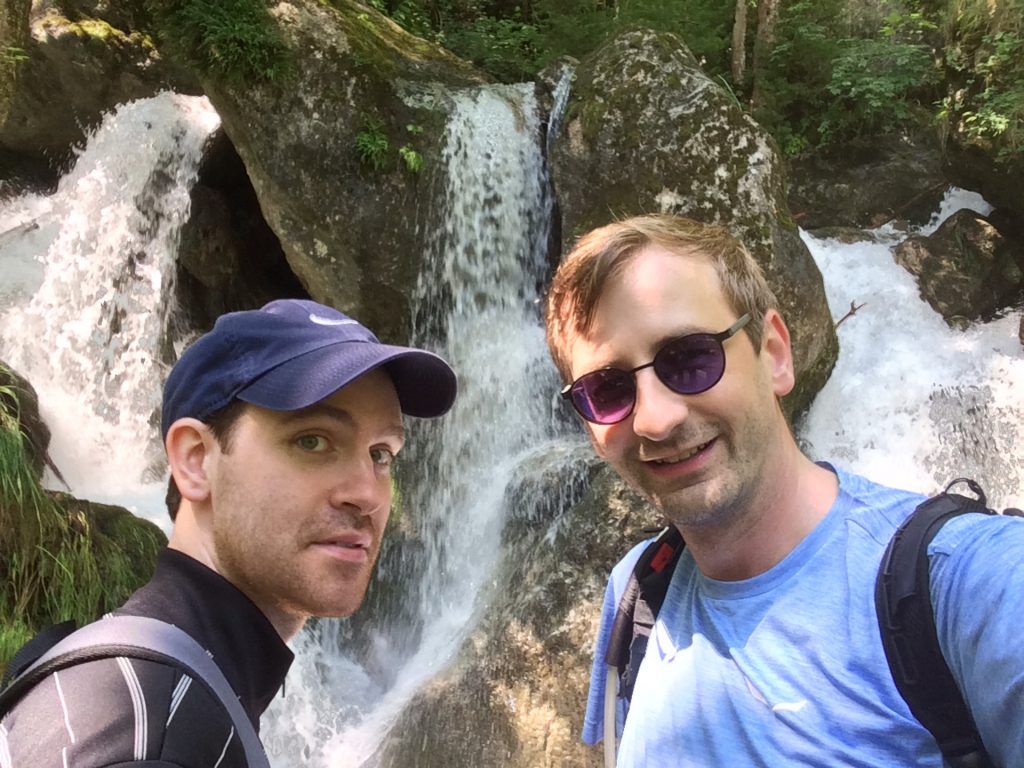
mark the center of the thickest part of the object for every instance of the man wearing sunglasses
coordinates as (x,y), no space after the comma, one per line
(766,650)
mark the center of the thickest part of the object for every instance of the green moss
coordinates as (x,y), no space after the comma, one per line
(100,30)
(63,558)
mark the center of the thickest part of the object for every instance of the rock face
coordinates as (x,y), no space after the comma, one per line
(78,62)
(648,131)
(966,270)
(516,696)
(228,258)
(353,231)
(891,180)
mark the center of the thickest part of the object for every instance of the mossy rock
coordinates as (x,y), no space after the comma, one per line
(64,558)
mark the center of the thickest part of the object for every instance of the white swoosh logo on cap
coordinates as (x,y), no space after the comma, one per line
(321,320)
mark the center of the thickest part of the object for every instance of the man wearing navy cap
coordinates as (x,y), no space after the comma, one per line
(281,426)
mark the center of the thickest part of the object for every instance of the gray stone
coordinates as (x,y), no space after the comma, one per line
(76,68)
(966,270)
(893,180)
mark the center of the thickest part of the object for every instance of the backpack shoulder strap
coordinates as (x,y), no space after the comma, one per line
(638,608)
(140,637)
(27,655)
(907,625)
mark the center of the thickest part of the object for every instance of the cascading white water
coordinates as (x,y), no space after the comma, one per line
(479,288)
(85,313)
(911,402)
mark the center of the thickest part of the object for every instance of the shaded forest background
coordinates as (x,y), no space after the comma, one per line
(819,74)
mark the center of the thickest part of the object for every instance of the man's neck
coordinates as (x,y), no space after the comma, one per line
(795,496)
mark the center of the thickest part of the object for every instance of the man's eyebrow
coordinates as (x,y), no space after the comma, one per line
(337,414)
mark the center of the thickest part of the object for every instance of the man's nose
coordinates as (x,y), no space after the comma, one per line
(361,488)
(658,410)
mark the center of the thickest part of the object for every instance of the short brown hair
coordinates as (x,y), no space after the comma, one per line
(604,253)
(222,424)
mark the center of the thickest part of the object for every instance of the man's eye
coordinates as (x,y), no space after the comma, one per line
(312,443)
(382,456)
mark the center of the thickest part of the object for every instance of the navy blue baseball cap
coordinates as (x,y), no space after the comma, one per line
(291,354)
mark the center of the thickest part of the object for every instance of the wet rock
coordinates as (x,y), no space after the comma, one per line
(75,63)
(228,258)
(647,131)
(516,696)
(966,270)
(893,179)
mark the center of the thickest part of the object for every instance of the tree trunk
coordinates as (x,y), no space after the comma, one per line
(739,44)
(767,18)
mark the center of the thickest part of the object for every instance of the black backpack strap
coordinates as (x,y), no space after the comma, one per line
(907,625)
(639,606)
(139,637)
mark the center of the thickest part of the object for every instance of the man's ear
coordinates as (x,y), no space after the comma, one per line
(188,443)
(777,354)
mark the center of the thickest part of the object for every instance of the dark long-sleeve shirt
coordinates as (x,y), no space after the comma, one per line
(127,712)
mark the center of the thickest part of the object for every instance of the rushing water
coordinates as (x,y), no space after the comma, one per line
(84,292)
(87,280)
(912,402)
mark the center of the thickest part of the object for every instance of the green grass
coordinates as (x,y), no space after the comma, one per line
(232,40)
(63,558)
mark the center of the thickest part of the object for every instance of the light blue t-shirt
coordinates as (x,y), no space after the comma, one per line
(788,669)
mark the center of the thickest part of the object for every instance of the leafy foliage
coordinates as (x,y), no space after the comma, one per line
(372,143)
(872,87)
(985,56)
(827,86)
(235,40)
(413,160)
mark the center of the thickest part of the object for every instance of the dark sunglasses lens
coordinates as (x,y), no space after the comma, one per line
(691,364)
(605,396)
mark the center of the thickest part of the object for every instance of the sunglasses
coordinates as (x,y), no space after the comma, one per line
(688,365)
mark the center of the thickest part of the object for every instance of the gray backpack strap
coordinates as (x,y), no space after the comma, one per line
(139,637)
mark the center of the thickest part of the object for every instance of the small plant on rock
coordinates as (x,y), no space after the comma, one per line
(372,143)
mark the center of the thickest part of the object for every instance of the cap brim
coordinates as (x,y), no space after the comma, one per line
(425,383)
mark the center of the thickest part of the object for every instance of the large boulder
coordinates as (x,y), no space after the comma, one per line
(966,270)
(76,63)
(648,131)
(997,180)
(351,222)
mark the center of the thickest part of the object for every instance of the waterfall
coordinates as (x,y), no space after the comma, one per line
(478,303)
(911,402)
(85,315)
(84,281)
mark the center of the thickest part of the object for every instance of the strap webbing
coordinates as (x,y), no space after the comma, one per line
(639,606)
(140,637)
(907,624)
